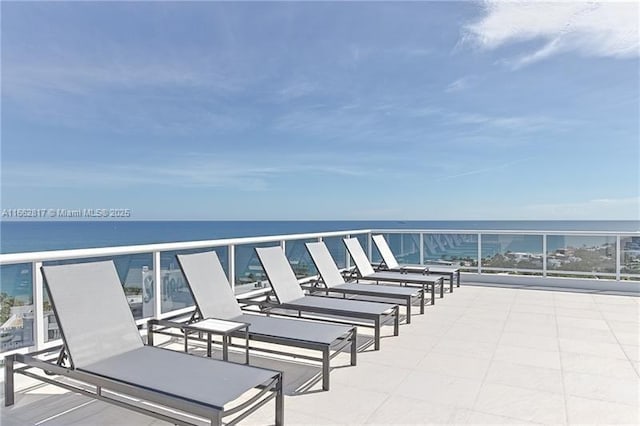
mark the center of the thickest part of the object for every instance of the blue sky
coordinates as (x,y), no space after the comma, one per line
(433,110)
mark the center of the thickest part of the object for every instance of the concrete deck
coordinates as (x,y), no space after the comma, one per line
(482,355)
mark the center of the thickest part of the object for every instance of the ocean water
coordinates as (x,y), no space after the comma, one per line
(28,236)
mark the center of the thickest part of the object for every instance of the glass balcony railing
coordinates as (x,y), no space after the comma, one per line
(249,275)
(503,252)
(299,258)
(16,309)
(629,256)
(571,255)
(457,249)
(155,287)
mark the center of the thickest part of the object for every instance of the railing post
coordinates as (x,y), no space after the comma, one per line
(38,305)
(231,261)
(421,242)
(618,259)
(369,246)
(479,253)
(157,285)
(544,255)
(347,258)
(283,245)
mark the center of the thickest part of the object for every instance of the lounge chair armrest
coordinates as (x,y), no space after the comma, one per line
(439,262)
(163,323)
(420,269)
(349,274)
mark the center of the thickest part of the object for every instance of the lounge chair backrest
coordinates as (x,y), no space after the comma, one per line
(209,285)
(359,256)
(279,273)
(385,252)
(92,311)
(324,264)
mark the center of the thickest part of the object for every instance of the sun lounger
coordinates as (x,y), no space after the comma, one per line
(365,271)
(332,282)
(290,296)
(214,298)
(103,349)
(389,263)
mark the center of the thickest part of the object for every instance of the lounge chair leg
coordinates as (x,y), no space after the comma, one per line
(8,381)
(458,278)
(216,419)
(325,369)
(354,346)
(441,288)
(433,294)
(422,301)
(409,310)
(280,401)
(376,334)
(396,322)
(150,335)
(451,284)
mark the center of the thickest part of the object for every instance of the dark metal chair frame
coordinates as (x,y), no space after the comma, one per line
(361,262)
(452,272)
(101,278)
(345,308)
(346,338)
(323,261)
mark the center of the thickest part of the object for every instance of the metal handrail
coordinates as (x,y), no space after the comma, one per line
(36,260)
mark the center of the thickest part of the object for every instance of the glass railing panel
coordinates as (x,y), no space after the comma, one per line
(457,249)
(362,238)
(16,307)
(131,270)
(376,259)
(587,255)
(338,251)
(299,258)
(405,248)
(630,258)
(174,290)
(512,252)
(51,328)
(249,273)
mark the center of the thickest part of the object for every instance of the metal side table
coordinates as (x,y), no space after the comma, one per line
(219,327)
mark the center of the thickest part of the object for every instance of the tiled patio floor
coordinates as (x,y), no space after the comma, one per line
(480,355)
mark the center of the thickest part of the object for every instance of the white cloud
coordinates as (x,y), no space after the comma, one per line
(194,170)
(484,170)
(601,29)
(460,84)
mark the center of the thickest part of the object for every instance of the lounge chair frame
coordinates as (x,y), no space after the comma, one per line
(64,366)
(363,319)
(99,384)
(328,351)
(221,286)
(389,263)
(320,286)
(427,282)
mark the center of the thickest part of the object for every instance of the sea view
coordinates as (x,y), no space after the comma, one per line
(29,236)
(320,212)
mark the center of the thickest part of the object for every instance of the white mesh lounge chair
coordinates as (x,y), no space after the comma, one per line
(289,295)
(214,298)
(389,263)
(103,349)
(332,282)
(366,272)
